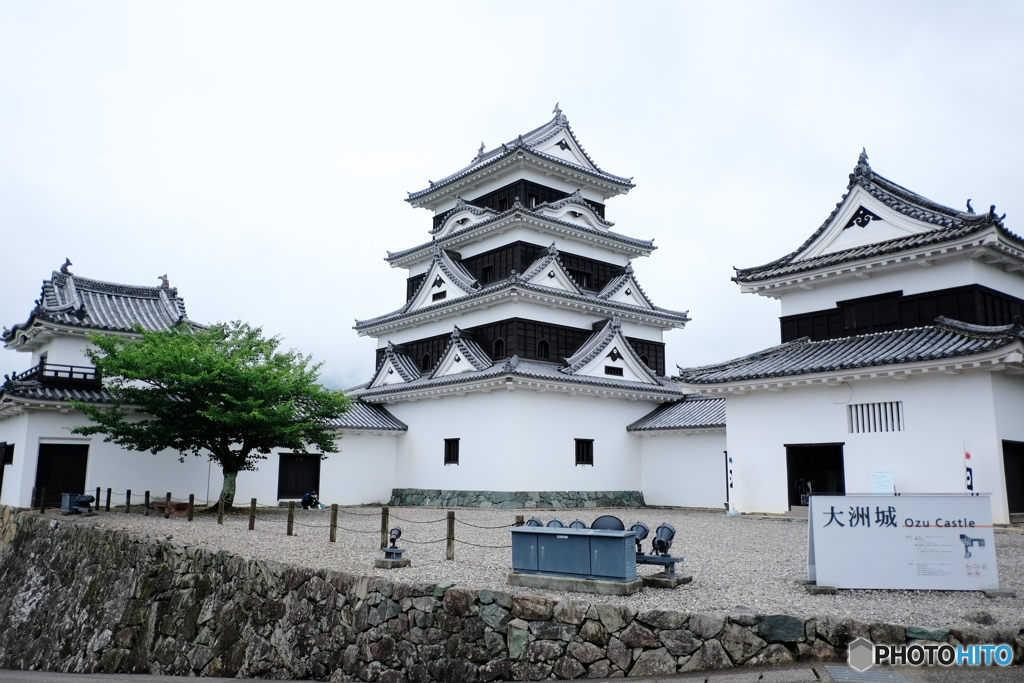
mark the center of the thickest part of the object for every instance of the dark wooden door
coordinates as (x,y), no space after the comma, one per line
(297,475)
(816,468)
(1013,470)
(61,469)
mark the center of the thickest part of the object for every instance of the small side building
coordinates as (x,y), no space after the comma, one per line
(902,349)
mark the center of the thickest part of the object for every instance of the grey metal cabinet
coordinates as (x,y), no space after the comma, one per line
(581,553)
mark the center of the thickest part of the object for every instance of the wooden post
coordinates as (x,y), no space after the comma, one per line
(97,499)
(145,503)
(107,508)
(220,510)
(291,516)
(385,513)
(334,522)
(252,514)
(32,500)
(127,501)
(42,501)
(191,505)
(451,535)
(167,506)
(519,520)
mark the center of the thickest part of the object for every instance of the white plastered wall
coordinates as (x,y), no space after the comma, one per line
(109,466)
(519,441)
(681,469)
(362,472)
(942,414)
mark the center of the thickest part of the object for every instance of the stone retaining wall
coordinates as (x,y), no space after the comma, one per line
(517,499)
(80,599)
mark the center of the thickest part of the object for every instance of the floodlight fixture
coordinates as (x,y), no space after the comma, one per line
(577,524)
(663,538)
(395,534)
(533,521)
(609,523)
(640,530)
(556,523)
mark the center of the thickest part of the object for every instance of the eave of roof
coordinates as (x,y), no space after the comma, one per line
(951,225)
(515,287)
(515,217)
(32,395)
(517,373)
(523,144)
(946,345)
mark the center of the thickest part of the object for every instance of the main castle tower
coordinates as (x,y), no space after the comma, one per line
(526,344)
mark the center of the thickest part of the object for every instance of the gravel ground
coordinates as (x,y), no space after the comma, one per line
(738,563)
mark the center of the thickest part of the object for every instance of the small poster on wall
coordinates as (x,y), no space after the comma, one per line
(883,481)
(938,542)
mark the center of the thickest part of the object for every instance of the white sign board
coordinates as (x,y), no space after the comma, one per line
(906,541)
(883,481)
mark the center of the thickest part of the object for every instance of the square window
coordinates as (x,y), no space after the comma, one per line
(451,451)
(585,452)
(440,295)
(612,370)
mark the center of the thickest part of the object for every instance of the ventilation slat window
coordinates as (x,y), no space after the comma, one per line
(867,418)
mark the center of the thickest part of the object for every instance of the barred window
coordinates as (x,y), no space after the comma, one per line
(451,451)
(864,418)
(584,452)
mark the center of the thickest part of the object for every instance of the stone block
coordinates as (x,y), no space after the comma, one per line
(663,580)
(565,583)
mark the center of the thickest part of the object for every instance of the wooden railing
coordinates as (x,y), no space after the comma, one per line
(56,374)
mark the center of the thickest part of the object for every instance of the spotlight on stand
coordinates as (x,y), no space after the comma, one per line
(556,523)
(393,557)
(394,535)
(577,524)
(640,530)
(663,538)
(533,521)
(609,522)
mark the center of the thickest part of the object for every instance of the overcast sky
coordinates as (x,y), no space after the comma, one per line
(260,153)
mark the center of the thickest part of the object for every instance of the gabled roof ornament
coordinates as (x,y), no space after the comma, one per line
(628,270)
(616,322)
(480,152)
(64,268)
(557,110)
(456,332)
(552,250)
(863,168)
(164,282)
(510,364)
(970,209)
(513,278)
(991,216)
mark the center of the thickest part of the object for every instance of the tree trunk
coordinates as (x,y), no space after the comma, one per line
(227,491)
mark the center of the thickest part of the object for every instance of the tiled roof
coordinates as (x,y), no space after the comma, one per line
(595,346)
(468,349)
(945,339)
(35,391)
(534,212)
(950,225)
(692,412)
(527,369)
(526,142)
(359,416)
(515,280)
(365,416)
(75,301)
(406,367)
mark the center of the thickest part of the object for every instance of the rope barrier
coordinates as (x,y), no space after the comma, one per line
(441,540)
(416,521)
(482,546)
(477,526)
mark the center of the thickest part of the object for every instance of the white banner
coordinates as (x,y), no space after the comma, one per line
(902,541)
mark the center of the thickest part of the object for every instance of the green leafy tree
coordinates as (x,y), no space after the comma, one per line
(224,391)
